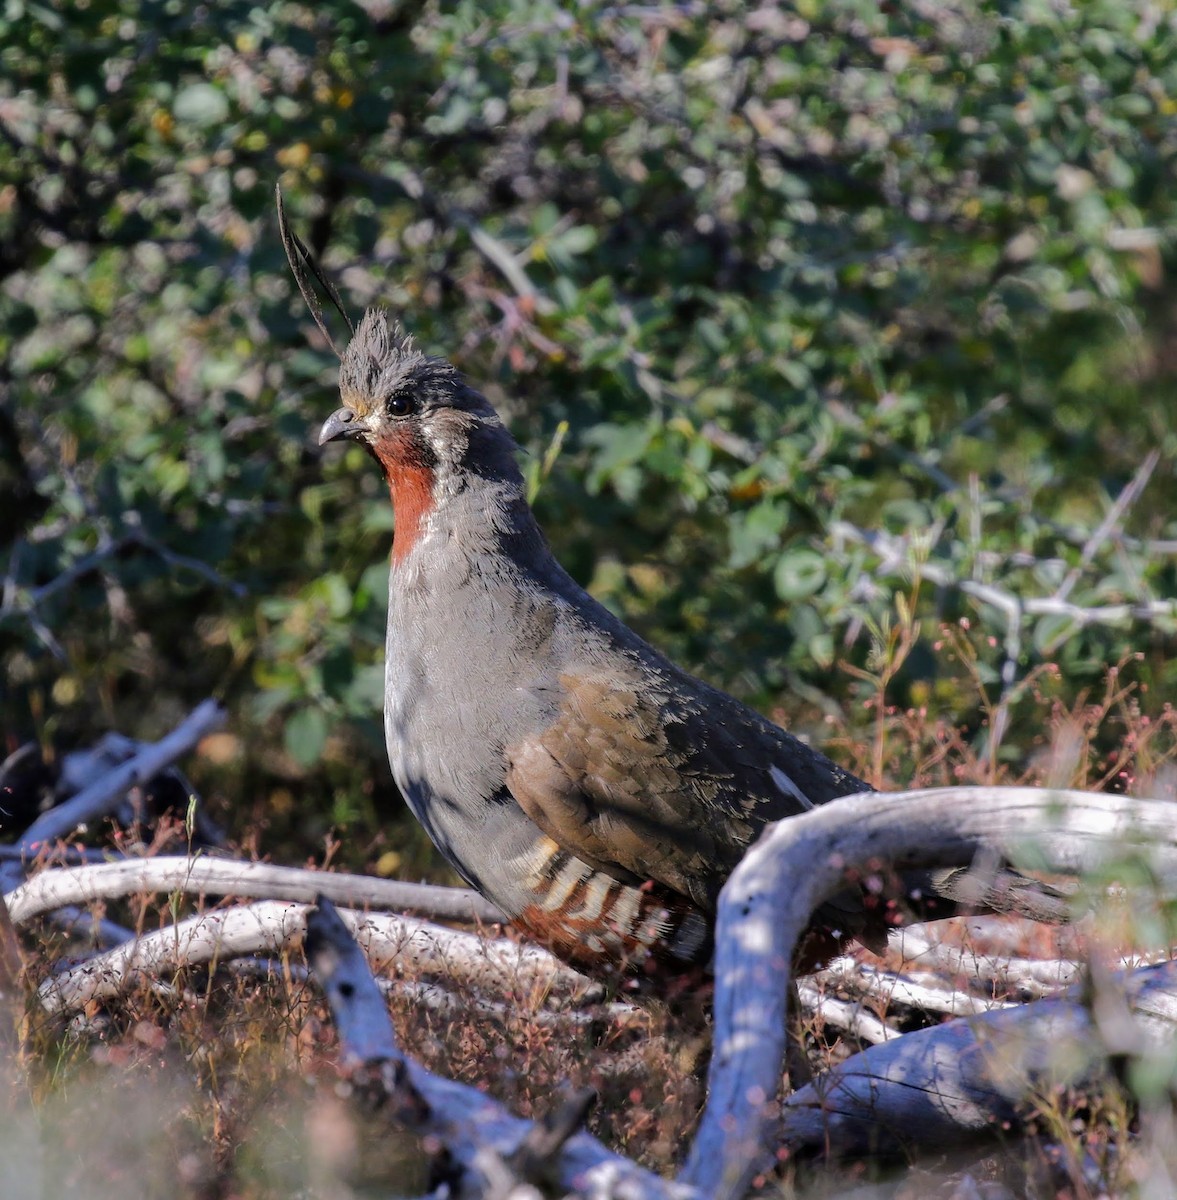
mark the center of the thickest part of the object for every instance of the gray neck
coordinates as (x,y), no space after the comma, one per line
(480,520)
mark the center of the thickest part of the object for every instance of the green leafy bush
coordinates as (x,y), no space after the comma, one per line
(827,300)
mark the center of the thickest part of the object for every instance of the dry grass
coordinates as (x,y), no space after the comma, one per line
(222,1085)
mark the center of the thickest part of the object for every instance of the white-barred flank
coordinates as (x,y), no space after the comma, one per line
(604,915)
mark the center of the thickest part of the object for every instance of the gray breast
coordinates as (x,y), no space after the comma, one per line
(464,678)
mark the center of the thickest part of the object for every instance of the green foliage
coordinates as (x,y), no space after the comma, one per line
(825,299)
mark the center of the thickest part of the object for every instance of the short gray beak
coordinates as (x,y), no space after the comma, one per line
(341,423)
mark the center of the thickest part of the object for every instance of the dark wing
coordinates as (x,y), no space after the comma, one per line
(662,781)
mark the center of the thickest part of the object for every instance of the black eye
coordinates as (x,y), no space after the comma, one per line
(401,405)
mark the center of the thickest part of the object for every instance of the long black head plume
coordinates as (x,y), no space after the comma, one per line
(301,260)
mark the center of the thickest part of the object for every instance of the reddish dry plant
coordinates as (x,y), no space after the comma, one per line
(1115,741)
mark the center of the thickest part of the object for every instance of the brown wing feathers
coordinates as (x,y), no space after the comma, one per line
(605,781)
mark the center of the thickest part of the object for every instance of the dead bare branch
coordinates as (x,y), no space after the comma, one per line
(268,926)
(486,1143)
(801,862)
(763,911)
(106,793)
(848,1015)
(202,875)
(935,1088)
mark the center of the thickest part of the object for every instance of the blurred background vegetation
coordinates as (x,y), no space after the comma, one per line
(825,327)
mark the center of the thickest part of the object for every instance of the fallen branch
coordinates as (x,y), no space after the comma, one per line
(763,911)
(848,1015)
(107,793)
(932,1089)
(482,1140)
(205,876)
(63,889)
(417,947)
(801,862)
(102,934)
(167,789)
(440,999)
(923,991)
(1028,978)
(266,927)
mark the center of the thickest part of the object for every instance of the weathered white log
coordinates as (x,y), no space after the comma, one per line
(1031,976)
(486,1142)
(438,998)
(932,1089)
(848,1015)
(801,862)
(920,990)
(204,875)
(414,947)
(989,937)
(1027,978)
(266,927)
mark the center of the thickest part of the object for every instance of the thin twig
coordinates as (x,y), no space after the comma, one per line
(30,600)
(895,554)
(1115,515)
(491,248)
